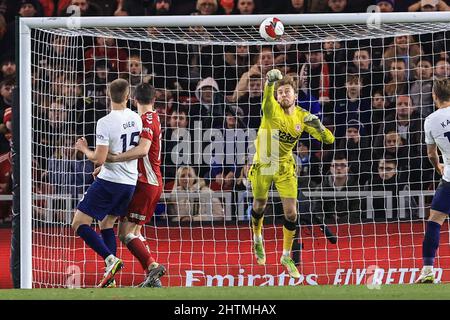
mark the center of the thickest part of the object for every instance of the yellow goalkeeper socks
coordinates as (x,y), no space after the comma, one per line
(288,236)
(257,223)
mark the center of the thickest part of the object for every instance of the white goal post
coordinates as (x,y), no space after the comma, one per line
(231,30)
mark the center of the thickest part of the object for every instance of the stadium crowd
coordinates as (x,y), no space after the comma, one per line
(374,95)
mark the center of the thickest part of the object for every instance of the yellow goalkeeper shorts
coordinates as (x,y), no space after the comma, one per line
(261,177)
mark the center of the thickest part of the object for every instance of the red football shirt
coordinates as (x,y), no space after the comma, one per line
(149,166)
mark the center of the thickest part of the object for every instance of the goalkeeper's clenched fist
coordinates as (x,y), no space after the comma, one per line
(274,75)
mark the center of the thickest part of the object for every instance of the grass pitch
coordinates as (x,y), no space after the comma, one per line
(385,292)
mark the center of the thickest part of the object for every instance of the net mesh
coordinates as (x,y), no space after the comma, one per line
(371,189)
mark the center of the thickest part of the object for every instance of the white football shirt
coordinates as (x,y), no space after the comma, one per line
(120,130)
(437,131)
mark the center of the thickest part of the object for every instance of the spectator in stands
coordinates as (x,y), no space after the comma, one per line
(7,120)
(106,48)
(341,208)
(307,166)
(5,46)
(398,83)
(305,98)
(429,5)
(176,144)
(27,9)
(144,8)
(5,186)
(356,146)
(52,8)
(137,72)
(233,117)
(211,107)
(163,105)
(6,88)
(264,63)
(352,107)
(242,182)
(294,6)
(318,73)
(421,88)
(337,6)
(388,178)
(441,69)
(60,173)
(245,7)
(30,8)
(393,146)
(317,6)
(87,8)
(7,67)
(162,8)
(380,110)
(106,7)
(198,61)
(386,5)
(362,65)
(237,59)
(192,206)
(250,103)
(404,47)
(209,7)
(225,170)
(97,82)
(405,121)
(57,117)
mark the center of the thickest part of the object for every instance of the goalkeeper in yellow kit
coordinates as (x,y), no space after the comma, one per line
(281,126)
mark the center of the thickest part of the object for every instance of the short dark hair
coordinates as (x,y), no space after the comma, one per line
(118,90)
(441,89)
(389,159)
(339,156)
(10,81)
(179,109)
(144,93)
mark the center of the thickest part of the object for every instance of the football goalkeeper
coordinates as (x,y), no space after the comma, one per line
(281,126)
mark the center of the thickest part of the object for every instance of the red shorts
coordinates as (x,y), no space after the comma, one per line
(143,204)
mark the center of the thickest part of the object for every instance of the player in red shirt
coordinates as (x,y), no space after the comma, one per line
(149,186)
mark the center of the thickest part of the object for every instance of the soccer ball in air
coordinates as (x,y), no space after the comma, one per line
(271,29)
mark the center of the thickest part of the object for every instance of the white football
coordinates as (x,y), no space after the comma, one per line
(271,29)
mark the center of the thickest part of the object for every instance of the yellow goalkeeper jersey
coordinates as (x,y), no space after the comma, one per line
(279,132)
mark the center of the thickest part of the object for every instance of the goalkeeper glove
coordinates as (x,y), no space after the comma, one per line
(274,75)
(313,121)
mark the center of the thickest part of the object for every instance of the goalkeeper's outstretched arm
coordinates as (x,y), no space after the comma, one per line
(315,128)
(268,98)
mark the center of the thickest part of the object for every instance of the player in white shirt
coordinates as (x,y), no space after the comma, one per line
(109,195)
(437,136)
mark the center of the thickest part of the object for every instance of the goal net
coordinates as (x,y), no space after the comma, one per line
(362,201)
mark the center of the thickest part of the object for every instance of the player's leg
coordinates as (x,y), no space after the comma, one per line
(157,282)
(260,188)
(127,235)
(257,213)
(109,237)
(289,229)
(430,245)
(121,195)
(107,231)
(140,211)
(81,224)
(440,209)
(286,184)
